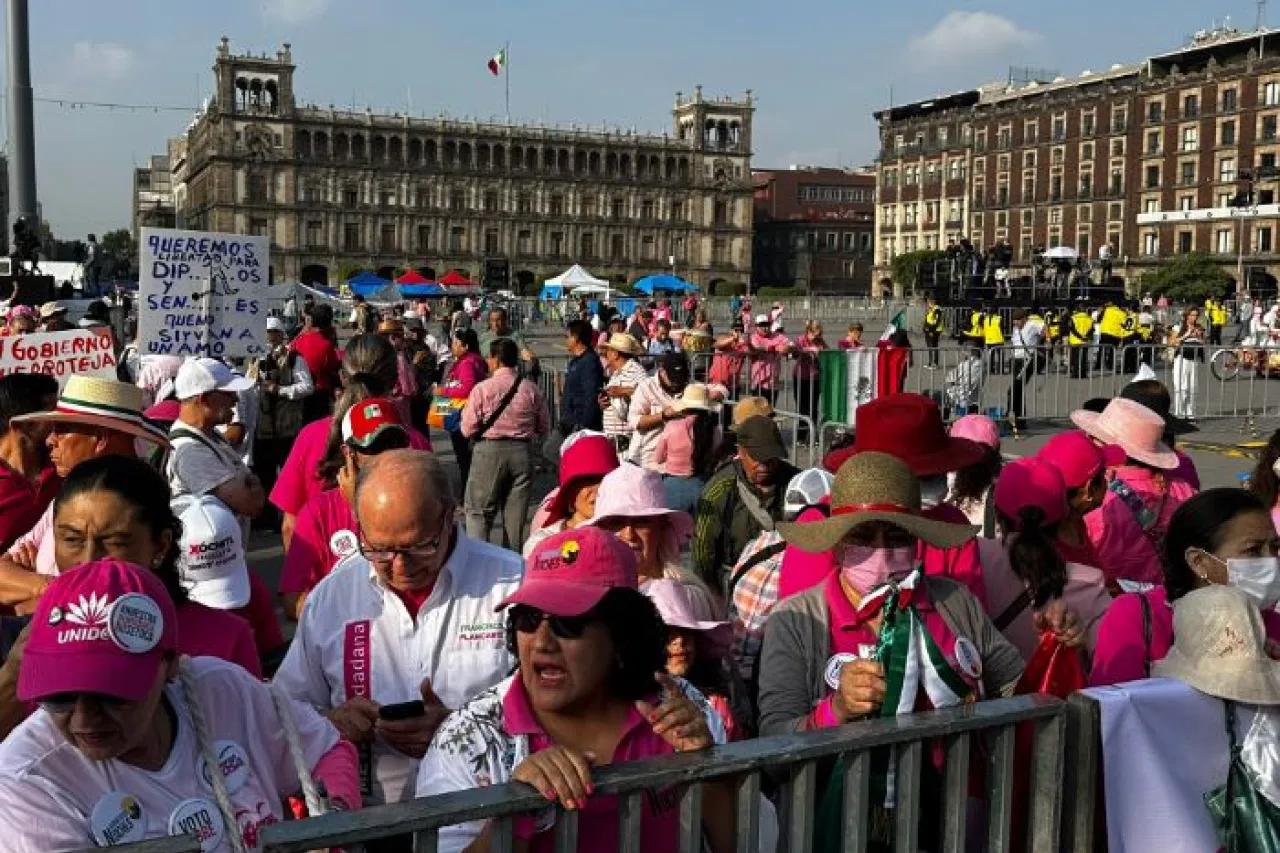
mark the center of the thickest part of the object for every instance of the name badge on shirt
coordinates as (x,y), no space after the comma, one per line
(117,819)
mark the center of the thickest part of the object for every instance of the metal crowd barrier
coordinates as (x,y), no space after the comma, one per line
(790,760)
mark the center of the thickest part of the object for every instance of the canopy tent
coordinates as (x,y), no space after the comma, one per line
(664,282)
(366,284)
(413,277)
(453,278)
(413,291)
(589,289)
(570,281)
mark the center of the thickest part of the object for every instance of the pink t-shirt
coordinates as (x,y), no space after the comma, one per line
(1122,652)
(324,535)
(598,822)
(766,360)
(807,363)
(298,482)
(674,452)
(205,632)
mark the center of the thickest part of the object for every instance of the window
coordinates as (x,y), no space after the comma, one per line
(1227,133)
(1229,100)
(1117,182)
(1184,242)
(648,249)
(1117,148)
(314,230)
(1029,160)
(351,236)
(1188,173)
(1005,138)
(1030,132)
(588,245)
(1151,205)
(646,209)
(1153,142)
(847,241)
(259,228)
(1114,211)
(1271,94)
(619,208)
(388,198)
(424,238)
(1028,217)
(257,189)
(1055,216)
(1268,128)
(1084,213)
(524,203)
(1119,121)
(387,237)
(1059,128)
(1155,112)
(1150,244)
(423,197)
(491,201)
(1055,188)
(1190,138)
(1087,122)
(524,242)
(1153,178)
(1227,170)
(1082,244)
(458,239)
(677,211)
(831,239)
(588,206)
(1264,238)
(1190,106)
(457,200)
(491,241)
(1185,202)
(1222,240)
(720,214)
(1002,219)
(556,244)
(719,251)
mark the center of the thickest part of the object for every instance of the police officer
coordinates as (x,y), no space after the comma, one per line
(993,338)
(1079,335)
(1110,334)
(932,331)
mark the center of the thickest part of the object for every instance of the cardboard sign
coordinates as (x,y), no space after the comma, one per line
(87,352)
(202,293)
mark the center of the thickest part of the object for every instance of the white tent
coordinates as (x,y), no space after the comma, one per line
(571,281)
(590,289)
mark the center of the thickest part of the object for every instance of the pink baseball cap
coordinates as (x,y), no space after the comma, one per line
(103,628)
(1077,458)
(1031,482)
(979,428)
(569,573)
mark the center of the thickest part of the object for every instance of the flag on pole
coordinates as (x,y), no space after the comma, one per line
(898,322)
(498,62)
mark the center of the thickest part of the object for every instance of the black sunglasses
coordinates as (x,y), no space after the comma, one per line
(65,703)
(526,620)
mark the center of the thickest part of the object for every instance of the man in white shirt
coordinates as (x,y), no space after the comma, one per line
(651,407)
(409,619)
(1027,337)
(625,375)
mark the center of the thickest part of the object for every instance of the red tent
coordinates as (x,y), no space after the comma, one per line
(454,279)
(413,277)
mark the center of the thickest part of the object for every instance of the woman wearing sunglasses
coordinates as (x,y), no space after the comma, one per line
(587,693)
(127,731)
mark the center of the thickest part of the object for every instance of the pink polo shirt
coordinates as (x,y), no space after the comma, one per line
(766,365)
(674,452)
(298,482)
(325,534)
(598,822)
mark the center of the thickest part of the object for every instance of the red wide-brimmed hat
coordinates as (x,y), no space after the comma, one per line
(908,426)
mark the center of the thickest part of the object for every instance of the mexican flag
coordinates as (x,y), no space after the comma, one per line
(899,321)
(848,379)
(498,62)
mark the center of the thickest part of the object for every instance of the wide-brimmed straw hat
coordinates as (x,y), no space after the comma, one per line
(624,343)
(870,487)
(104,403)
(1134,427)
(51,309)
(694,398)
(1219,647)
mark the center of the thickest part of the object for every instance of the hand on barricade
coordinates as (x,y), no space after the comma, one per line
(862,690)
(560,773)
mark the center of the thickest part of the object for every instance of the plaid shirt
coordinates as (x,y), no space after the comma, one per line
(754,597)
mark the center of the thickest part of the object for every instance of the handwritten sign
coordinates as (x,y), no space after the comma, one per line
(78,352)
(202,293)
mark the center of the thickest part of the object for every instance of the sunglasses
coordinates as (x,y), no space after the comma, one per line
(526,620)
(65,703)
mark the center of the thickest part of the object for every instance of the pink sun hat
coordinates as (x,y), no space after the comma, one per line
(569,573)
(681,605)
(102,628)
(1134,427)
(979,428)
(630,491)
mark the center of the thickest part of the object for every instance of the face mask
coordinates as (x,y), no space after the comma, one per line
(933,491)
(866,568)
(1258,577)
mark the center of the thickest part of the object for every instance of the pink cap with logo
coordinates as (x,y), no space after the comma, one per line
(569,573)
(101,628)
(1078,459)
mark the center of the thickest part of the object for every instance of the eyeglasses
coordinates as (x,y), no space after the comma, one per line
(414,554)
(526,620)
(65,703)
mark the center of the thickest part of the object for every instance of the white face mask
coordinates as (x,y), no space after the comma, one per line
(1258,577)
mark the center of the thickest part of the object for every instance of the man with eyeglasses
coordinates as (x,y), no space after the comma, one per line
(394,638)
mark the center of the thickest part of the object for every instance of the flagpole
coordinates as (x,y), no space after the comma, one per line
(506,54)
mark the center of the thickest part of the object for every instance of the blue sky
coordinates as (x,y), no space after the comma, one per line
(818,68)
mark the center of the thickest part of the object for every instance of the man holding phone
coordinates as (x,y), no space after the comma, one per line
(405,631)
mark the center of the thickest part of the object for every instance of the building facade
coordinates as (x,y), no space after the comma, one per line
(814,229)
(337,190)
(1173,155)
(153,199)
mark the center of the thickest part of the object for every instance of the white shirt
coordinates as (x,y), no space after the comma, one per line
(198,466)
(650,398)
(54,799)
(615,414)
(1027,339)
(458,641)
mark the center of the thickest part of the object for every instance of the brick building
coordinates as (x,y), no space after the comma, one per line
(511,204)
(814,228)
(1149,157)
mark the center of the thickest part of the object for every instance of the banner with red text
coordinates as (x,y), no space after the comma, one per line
(83,352)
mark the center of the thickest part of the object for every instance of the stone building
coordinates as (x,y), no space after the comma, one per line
(814,228)
(153,200)
(1172,155)
(337,190)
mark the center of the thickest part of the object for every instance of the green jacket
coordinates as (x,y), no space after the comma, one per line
(723,527)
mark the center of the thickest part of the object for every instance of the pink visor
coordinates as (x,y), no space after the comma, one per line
(570,572)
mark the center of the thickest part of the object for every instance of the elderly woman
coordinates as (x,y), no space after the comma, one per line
(126,730)
(585,695)
(586,457)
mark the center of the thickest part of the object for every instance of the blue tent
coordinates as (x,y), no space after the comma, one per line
(366,284)
(413,291)
(664,282)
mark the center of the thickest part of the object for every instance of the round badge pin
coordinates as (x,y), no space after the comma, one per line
(233,761)
(136,623)
(117,819)
(343,544)
(967,658)
(834,664)
(199,819)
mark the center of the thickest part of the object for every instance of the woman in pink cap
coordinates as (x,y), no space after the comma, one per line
(585,458)
(969,489)
(127,731)
(1084,466)
(586,694)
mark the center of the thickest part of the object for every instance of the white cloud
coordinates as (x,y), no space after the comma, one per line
(99,61)
(294,11)
(963,37)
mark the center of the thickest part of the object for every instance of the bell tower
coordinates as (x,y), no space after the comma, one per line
(257,87)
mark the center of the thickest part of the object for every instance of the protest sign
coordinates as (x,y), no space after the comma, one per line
(202,293)
(78,352)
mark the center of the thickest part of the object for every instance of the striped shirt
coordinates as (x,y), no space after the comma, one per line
(630,375)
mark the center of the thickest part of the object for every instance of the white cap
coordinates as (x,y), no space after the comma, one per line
(201,375)
(762,319)
(211,560)
(274,324)
(807,488)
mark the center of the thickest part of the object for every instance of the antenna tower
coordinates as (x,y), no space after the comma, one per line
(1261,23)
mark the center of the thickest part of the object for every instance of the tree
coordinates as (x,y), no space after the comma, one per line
(1188,278)
(118,253)
(906,267)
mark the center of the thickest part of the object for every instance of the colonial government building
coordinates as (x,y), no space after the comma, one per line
(336,190)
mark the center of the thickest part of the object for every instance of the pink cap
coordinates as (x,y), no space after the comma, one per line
(1077,458)
(569,573)
(1031,482)
(979,428)
(101,628)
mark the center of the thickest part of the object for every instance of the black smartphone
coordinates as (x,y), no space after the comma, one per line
(402,710)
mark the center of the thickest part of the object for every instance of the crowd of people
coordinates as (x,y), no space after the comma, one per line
(683,585)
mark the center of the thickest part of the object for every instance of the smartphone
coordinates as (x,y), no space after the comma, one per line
(402,710)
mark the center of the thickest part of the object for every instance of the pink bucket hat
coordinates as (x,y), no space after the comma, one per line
(583,454)
(1031,482)
(1134,427)
(979,428)
(570,572)
(681,607)
(634,492)
(102,628)
(1078,459)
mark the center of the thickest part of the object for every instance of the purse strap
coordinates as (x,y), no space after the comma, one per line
(502,407)
(1146,633)
(1014,610)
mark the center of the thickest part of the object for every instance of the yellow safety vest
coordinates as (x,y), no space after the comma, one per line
(932,320)
(1112,322)
(975,325)
(1130,325)
(1081,330)
(1145,331)
(1218,315)
(991,331)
